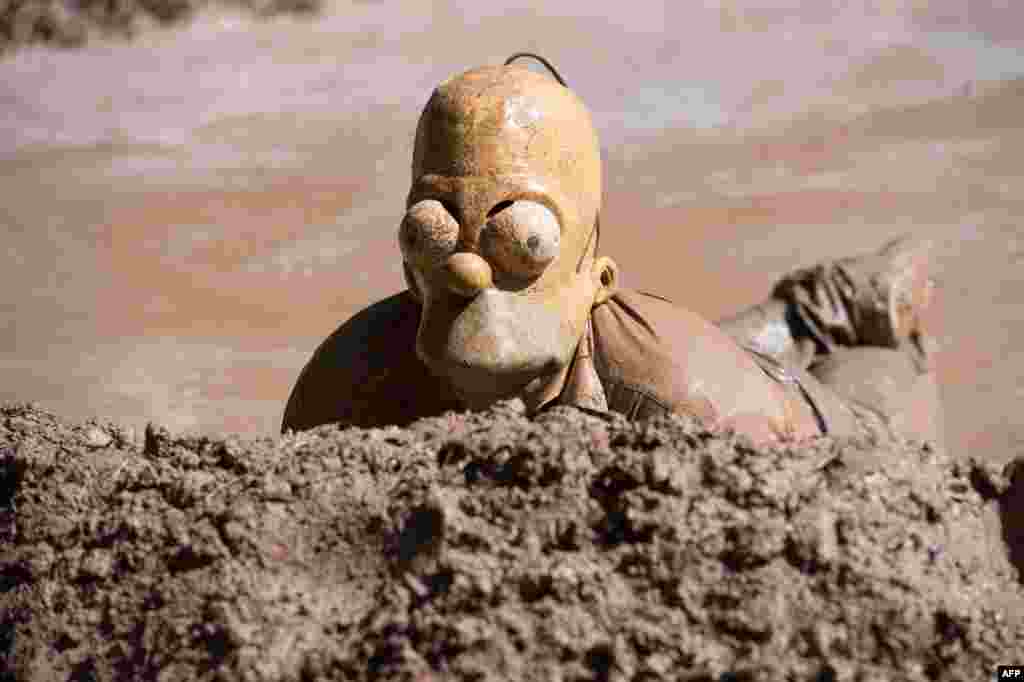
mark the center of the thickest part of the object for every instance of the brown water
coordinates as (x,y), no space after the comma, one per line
(187,216)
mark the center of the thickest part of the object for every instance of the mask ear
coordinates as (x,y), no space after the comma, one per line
(606,278)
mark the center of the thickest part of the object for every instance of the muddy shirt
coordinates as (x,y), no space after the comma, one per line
(640,356)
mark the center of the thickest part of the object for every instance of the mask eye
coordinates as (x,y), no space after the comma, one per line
(428,233)
(521,238)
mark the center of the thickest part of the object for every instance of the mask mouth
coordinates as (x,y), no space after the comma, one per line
(479,388)
(494,340)
(480,391)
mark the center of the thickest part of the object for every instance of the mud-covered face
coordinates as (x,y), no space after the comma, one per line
(506,187)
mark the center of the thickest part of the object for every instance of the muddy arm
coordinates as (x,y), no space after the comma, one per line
(772,328)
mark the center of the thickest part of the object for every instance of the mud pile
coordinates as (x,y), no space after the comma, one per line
(493,547)
(72,23)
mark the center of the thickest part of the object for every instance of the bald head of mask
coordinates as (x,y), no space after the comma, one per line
(498,236)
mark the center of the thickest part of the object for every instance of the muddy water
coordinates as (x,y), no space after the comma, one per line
(187,216)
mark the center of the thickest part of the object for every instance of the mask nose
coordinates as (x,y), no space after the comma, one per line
(468,274)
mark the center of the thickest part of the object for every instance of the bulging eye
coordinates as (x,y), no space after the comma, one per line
(521,238)
(428,233)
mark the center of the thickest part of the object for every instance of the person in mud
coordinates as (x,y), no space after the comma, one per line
(507,297)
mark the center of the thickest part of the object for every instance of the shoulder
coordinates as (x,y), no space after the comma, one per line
(650,351)
(639,329)
(366,373)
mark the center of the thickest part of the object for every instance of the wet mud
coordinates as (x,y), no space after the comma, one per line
(495,547)
(61,23)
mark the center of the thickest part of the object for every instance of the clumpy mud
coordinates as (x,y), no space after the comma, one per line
(493,547)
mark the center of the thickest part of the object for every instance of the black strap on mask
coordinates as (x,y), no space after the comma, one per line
(595,234)
(537,57)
